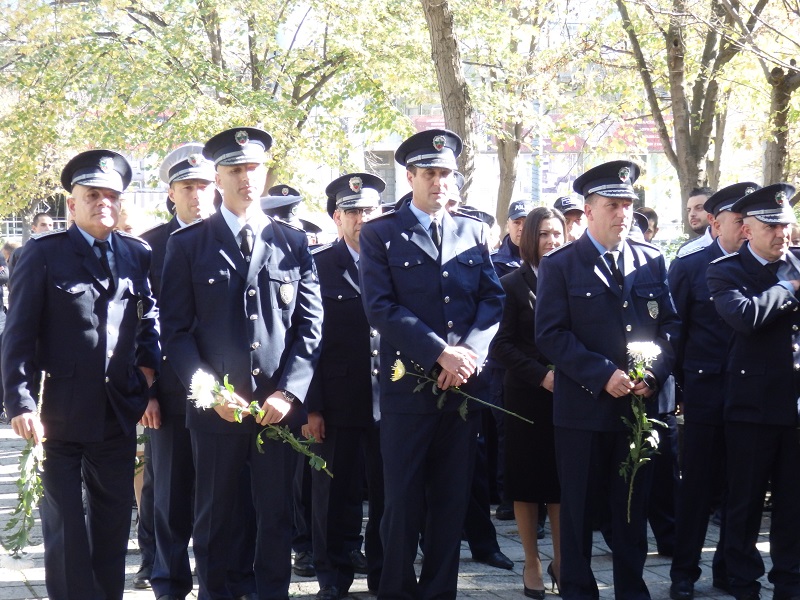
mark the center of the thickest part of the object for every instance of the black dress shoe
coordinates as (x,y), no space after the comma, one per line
(141,581)
(504,512)
(530,592)
(683,589)
(304,564)
(497,560)
(328,592)
(251,596)
(359,562)
(540,532)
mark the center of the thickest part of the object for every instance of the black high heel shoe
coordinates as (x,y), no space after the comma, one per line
(553,583)
(530,592)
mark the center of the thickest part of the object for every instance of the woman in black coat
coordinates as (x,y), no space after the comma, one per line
(530,469)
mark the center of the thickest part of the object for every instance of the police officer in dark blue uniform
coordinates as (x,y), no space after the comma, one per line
(700,356)
(595,296)
(343,410)
(83,313)
(190,177)
(506,259)
(755,292)
(429,287)
(241,298)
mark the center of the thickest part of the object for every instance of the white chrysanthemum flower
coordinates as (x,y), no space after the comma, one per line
(643,352)
(203,389)
(653,440)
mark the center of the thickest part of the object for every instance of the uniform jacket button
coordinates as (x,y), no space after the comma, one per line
(445,274)
(251,292)
(253,317)
(210,281)
(375,372)
(256,371)
(450,324)
(446,299)
(628,328)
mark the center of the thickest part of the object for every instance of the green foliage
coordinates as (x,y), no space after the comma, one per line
(29,493)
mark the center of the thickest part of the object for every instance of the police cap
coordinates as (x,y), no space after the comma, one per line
(725,198)
(186,162)
(237,146)
(770,204)
(432,148)
(99,169)
(613,179)
(354,190)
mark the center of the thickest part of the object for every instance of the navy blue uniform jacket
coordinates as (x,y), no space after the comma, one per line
(259,324)
(168,388)
(584,323)
(346,381)
(421,304)
(89,343)
(763,369)
(702,346)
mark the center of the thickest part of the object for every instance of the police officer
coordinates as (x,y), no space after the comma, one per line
(572,209)
(506,259)
(429,287)
(85,315)
(343,411)
(602,273)
(190,177)
(240,298)
(701,351)
(755,292)
(699,219)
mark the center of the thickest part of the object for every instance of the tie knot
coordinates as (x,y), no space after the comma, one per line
(103,245)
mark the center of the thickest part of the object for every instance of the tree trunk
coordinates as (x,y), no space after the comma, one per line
(508,158)
(712,164)
(453,90)
(776,150)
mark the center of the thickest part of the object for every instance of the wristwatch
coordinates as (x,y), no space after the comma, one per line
(290,397)
(650,381)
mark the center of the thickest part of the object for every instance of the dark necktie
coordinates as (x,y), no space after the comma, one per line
(435,235)
(611,259)
(247,242)
(104,250)
(774,266)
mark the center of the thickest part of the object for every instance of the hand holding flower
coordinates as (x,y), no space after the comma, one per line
(27,426)
(619,384)
(640,388)
(275,408)
(229,402)
(458,364)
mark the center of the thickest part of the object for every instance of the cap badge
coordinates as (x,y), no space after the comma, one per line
(749,190)
(624,174)
(780,198)
(241,137)
(105,164)
(285,191)
(438,142)
(194,159)
(356,184)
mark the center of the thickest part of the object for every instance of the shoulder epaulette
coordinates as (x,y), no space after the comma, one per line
(691,251)
(134,238)
(288,225)
(319,249)
(192,225)
(46,234)
(643,243)
(689,246)
(466,216)
(559,249)
(155,227)
(722,258)
(383,215)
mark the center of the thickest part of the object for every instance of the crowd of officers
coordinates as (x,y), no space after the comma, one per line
(106,330)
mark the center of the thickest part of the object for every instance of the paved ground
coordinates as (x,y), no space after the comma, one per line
(23,579)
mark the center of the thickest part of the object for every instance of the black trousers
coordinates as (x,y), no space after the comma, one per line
(759,455)
(588,468)
(84,556)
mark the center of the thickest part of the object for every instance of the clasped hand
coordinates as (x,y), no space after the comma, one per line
(458,364)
